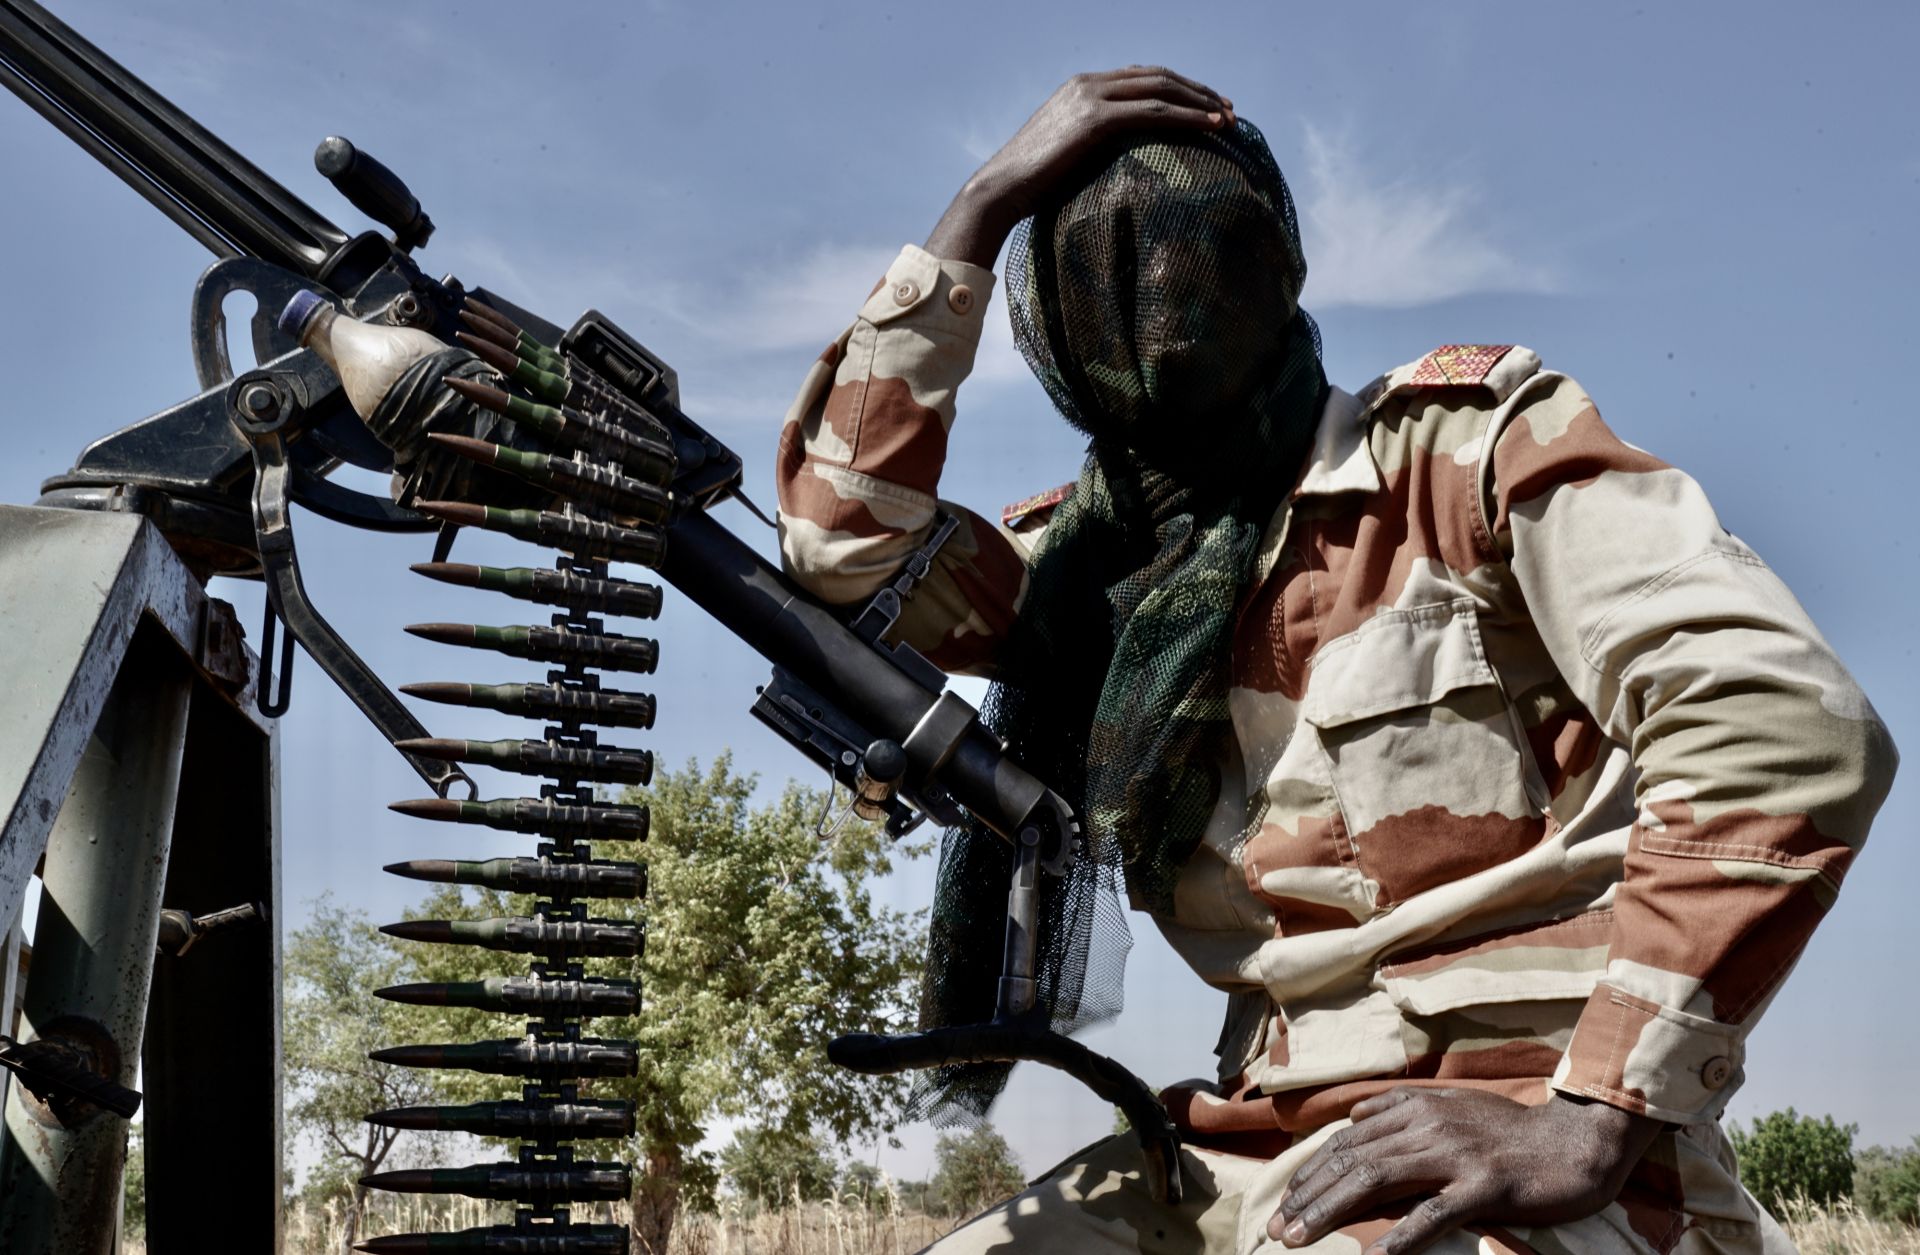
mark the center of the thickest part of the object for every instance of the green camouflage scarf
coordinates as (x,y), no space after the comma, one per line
(1159,308)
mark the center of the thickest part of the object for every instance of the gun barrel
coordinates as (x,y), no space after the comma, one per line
(216,195)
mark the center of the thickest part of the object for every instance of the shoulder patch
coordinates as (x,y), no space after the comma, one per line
(1041,504)
(1458,364)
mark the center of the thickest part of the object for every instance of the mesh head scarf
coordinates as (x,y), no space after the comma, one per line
(1159,307)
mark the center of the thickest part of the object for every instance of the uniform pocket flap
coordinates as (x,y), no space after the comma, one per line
(1545,962)
(1397,660)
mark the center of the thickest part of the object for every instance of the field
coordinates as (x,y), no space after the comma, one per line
(833,1228)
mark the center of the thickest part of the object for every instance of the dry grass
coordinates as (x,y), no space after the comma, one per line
(1844,1229)
(829,1228)
(841,1227)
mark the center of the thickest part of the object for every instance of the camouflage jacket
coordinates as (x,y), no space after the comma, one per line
(1541,778)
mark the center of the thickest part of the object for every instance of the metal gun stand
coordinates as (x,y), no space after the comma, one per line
(130,721)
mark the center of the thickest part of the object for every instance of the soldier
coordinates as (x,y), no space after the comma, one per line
(1449,735)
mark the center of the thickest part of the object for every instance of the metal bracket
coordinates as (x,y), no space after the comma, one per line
(223,648)
(937,735)
(877,618)
(51,1071)
(179,929)
(260,409)
(818,729)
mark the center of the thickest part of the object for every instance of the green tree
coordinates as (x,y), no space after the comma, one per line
(974,1170)
(1788,1156)
(1886,1183)
(771,1165)
(763,943)
(915,1196)
(863,1183)
(133,1184)
(331,1020)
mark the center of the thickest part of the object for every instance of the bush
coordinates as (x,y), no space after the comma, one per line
(974,1170)
(772,1165)
(1886,1183)
(865,1185)
(1788,1156)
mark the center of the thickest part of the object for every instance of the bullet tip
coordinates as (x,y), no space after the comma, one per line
(434,930)
(433,747)
(442,633)
(438,690)
(487,313)
(480,394)
(466,446)
(463,513)
(436,869)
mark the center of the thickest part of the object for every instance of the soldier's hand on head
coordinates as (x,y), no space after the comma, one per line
(1469,1157)
(1086,111)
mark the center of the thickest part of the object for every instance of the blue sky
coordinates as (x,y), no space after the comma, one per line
(1704,212)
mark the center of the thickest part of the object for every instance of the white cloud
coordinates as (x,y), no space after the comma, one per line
(763,323)
(801,302)
(742,338)
(798,302)
(1373,239)
(1396,241)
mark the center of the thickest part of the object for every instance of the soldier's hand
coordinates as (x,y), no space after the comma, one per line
(1076,120)
(1468,1156)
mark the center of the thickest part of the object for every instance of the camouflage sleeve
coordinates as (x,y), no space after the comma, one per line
(1760,763)
(860,459)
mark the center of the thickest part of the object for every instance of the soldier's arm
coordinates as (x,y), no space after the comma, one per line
(860,460)
(863,446)
(1760,761)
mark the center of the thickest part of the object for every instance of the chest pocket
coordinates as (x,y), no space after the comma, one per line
(1428,759)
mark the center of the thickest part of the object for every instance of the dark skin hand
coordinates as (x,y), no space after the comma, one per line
(1086,112)
(1469,1156)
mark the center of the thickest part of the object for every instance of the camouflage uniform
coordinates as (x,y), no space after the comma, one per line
(1540,778)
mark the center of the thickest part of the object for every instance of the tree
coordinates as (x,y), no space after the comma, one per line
(1787,1156)
(133,1184)
(1886,1183)
(772,1166)
(865,1184)
(974,1170)
(914,1196)
(763,943)
(331,1021)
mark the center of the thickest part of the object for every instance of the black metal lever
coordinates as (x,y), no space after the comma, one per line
(1028,1038)
(51,1071)
(374,190)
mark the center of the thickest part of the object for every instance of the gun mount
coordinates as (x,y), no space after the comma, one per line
(586,450)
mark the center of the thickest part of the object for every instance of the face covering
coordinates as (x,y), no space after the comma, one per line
(1159,307)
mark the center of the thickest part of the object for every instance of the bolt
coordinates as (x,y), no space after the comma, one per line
(405,311)
(260,401)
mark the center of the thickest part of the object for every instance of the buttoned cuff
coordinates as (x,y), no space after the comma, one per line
(929,294)
(1651,1060)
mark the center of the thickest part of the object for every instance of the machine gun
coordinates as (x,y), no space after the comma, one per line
(609,467)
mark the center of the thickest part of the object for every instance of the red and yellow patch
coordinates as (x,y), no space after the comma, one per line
(1040,503)
(1458,364)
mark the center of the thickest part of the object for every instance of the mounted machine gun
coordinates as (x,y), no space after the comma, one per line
(487,415)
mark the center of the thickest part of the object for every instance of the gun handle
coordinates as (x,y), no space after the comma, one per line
(374,190)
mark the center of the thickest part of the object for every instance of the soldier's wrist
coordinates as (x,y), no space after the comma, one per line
(975,224)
